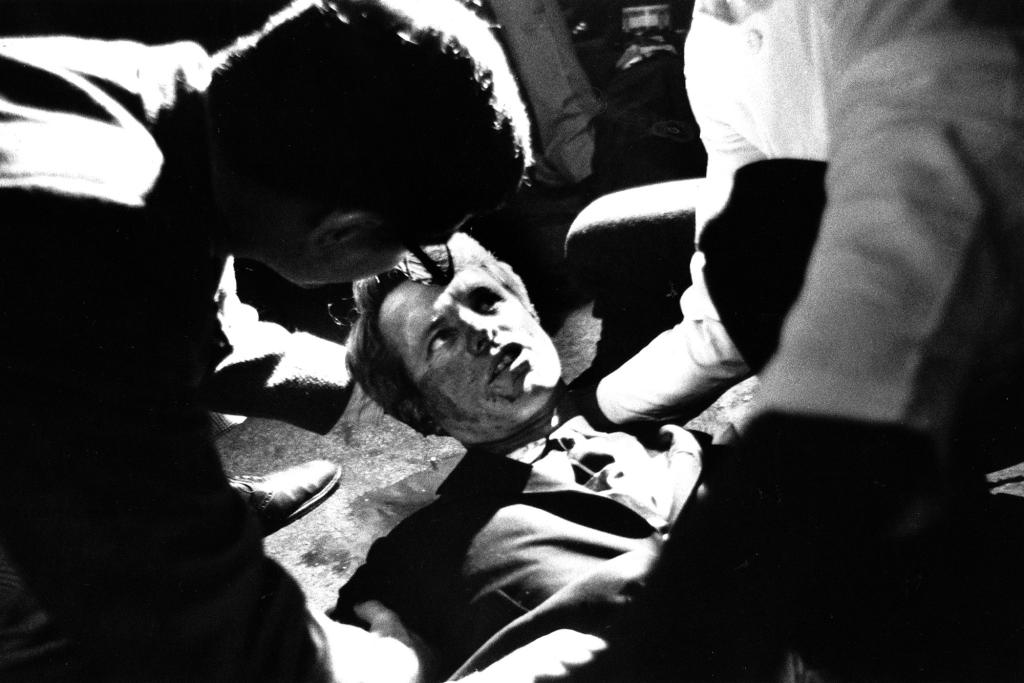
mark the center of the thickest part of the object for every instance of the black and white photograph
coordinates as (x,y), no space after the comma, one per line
(512,341)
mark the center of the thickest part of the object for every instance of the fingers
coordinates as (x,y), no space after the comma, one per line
(679,440)
(549,658)
(374,613)
(572,647)
(383,621)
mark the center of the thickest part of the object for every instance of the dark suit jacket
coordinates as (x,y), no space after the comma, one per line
(508,552)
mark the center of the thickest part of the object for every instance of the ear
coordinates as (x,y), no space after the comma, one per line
(346,228)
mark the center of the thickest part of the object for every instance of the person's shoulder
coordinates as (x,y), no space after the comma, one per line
(83,98)
(142,79)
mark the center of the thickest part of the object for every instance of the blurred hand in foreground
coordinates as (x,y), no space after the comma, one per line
(552,657)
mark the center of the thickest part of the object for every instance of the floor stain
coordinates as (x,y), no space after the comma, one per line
(323,553)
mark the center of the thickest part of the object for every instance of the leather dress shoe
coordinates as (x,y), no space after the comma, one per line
(281,497)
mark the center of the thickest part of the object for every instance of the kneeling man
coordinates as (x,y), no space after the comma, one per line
(546,523)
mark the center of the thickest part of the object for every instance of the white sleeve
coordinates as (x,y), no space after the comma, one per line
(913,292)
(687,367)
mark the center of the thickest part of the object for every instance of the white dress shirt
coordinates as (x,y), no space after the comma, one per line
(915,284)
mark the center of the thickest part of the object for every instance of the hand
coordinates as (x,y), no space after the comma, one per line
(549,658)
(682,446)
(389,654)
(685,464)
(387,624)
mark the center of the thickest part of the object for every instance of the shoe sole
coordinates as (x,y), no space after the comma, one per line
(315,501)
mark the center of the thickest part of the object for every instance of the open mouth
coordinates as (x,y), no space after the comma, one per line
(504,359)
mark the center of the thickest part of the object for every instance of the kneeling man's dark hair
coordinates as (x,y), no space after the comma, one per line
(405,107)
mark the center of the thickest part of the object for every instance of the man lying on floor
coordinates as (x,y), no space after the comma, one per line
(546,522)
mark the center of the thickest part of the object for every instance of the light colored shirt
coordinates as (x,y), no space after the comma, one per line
(919,115)
(913,298)
(654,480)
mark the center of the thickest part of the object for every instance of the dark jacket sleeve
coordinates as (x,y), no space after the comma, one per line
(413,571)
(588,604)
(424,570)
(360,588)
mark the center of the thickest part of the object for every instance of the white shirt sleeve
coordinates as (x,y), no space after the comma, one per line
(912,299)
(687,367)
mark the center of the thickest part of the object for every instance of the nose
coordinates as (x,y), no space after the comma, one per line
(479,335)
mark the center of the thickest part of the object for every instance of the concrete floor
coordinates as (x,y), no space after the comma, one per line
(389,470)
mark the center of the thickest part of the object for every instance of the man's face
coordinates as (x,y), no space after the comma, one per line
(309,242)
(337,245)
(480,360)
(344,246)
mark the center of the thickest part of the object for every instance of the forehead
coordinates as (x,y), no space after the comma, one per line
(406,313)
(409,309)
